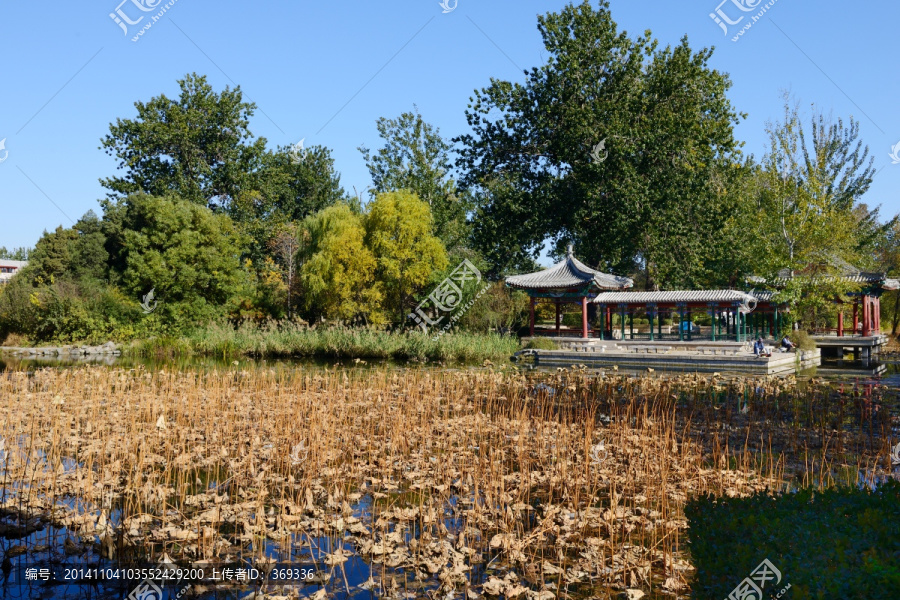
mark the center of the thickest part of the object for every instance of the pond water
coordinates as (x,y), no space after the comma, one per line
(33,550)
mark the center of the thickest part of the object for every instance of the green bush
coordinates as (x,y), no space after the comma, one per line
(541,343)
(836,543)
(803,340)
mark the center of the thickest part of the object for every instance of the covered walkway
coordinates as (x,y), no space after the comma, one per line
(733,315)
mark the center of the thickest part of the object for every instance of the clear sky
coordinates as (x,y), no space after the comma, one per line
(325,71)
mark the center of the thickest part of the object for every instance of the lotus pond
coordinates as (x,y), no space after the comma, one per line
(361,481)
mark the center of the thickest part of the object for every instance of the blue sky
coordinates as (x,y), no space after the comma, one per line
(325,71)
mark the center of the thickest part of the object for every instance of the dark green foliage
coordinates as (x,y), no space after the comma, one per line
(70,253)
(198,146)
(839,543)
(185,252)
(652,198)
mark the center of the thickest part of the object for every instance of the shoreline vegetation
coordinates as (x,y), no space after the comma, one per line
(295,341)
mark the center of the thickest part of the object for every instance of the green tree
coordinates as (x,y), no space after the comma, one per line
(338,269)
(613,144)
(811,181)
(290,187)
(21,253)
(399,234)
(53,256)
(187,254)
(198,147)
(70,254)
(416,158)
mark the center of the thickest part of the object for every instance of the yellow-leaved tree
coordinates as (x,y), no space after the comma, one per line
(399,235)
(338,269)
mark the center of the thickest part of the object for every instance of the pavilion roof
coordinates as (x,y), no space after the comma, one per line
(569,273)
(677,296)
(840,269)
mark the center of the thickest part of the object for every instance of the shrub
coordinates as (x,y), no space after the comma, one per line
(541,343)
(803,340)
(836,543)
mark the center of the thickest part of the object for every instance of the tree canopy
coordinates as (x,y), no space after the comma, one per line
(338,268)
(198,146)
(416,158)
(614,143)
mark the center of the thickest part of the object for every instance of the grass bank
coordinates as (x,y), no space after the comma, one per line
(288,340)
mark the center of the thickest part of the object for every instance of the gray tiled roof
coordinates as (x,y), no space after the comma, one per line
(674,296)
(764,296)
(569,273)
(839,268)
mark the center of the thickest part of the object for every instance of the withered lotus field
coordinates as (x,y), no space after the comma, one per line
(442,483)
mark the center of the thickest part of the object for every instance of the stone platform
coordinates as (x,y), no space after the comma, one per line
(864,348)
(696,356)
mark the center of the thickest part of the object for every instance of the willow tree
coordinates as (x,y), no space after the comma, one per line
(338,269)
(614,143)
(408,255)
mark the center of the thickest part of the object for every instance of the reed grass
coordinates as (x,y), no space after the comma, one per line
(289,340)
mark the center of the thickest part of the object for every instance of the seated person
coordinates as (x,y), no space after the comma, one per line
(786,344)
(759,349)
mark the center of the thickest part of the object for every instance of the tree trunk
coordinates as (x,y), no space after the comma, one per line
(895,318)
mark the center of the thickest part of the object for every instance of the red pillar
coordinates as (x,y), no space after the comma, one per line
(865,316)
(531,316)
(840,331)
(877,316)
(855,316)
(557,318)
(609,320)
(584,323)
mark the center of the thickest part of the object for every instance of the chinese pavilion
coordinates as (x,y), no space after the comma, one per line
(569,281)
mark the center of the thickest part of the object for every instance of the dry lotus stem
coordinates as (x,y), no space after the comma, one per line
(494,483)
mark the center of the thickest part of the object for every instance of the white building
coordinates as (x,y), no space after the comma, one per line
(8,268)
